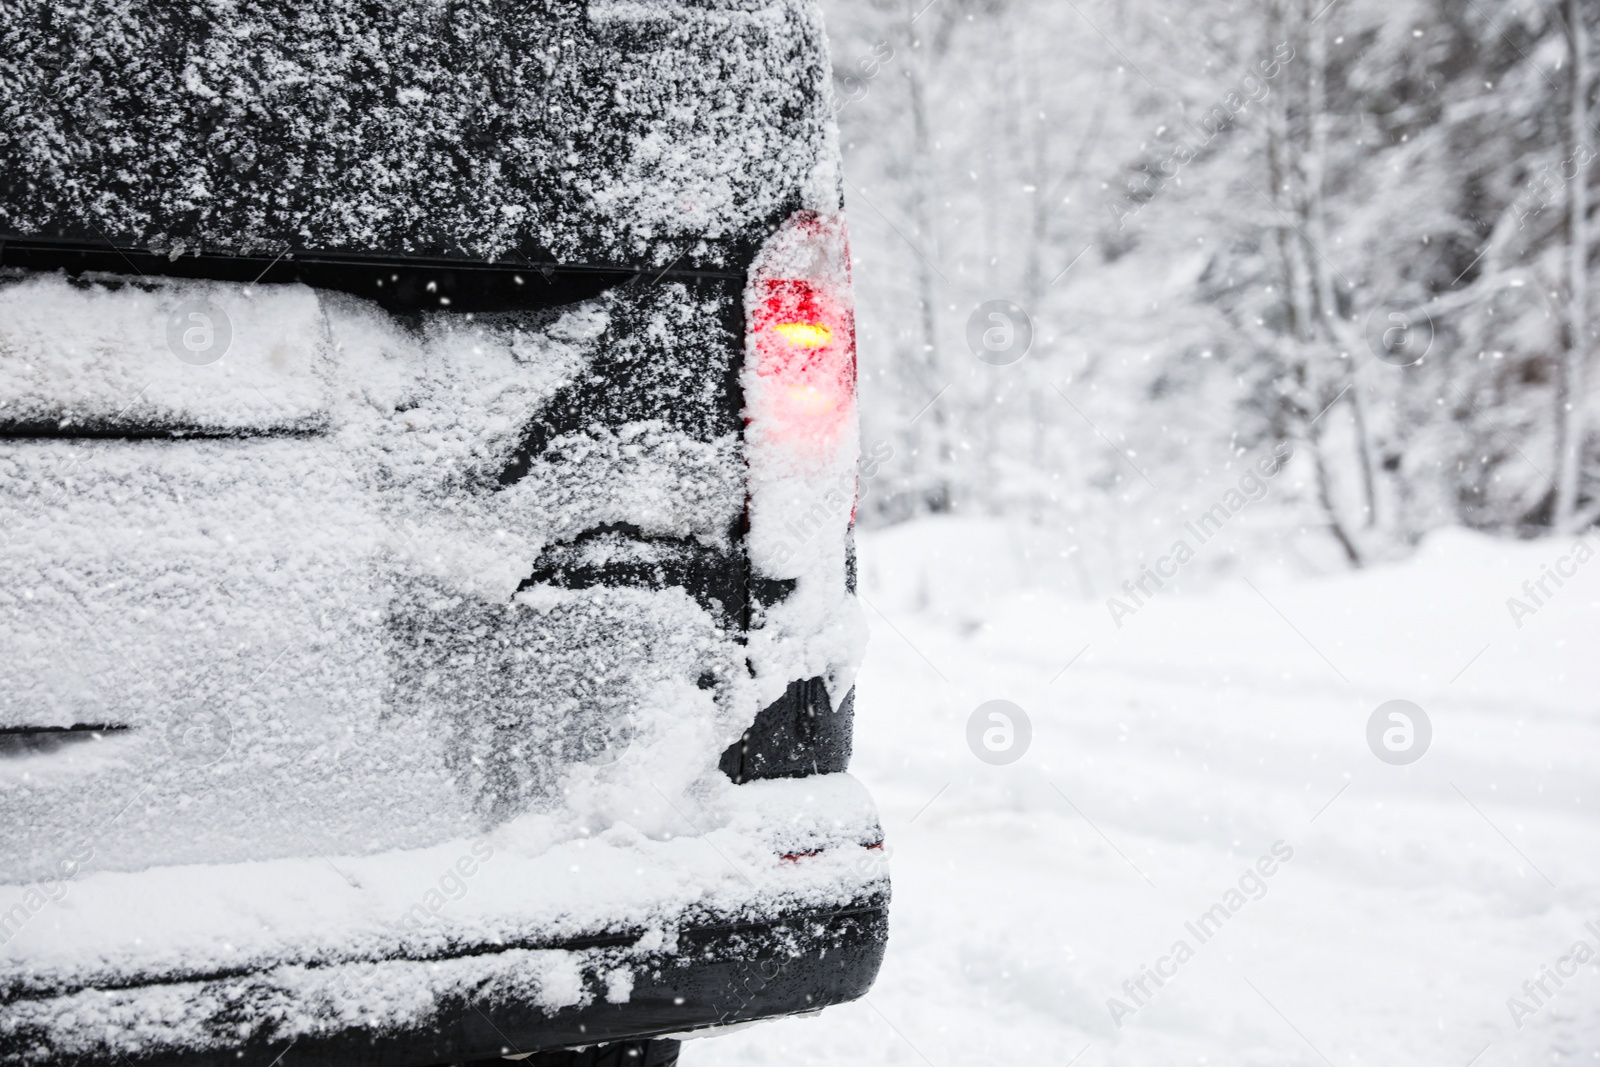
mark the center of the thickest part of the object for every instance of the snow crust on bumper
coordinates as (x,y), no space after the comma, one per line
(460,1010)
(187,958)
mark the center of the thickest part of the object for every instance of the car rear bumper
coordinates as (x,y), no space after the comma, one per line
(717,974)
(509,943)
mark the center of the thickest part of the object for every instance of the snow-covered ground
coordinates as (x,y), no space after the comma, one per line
(1176,752)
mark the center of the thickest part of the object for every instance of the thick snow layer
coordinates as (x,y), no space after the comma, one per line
(316,636)
(290,1002)
(1185,744)
(526,880)
(605,131)
(97,356)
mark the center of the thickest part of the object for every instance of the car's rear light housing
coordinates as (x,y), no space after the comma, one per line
(801,434)
(801,446)
(800,388)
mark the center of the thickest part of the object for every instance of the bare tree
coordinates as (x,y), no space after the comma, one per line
(1295,166)
(1571,386)
(932,443)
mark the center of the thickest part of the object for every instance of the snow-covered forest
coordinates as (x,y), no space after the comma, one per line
(1353,229)
(1308,292)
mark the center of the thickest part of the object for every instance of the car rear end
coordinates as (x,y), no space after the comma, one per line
(427,462)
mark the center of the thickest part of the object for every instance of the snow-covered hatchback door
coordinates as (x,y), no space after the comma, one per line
(427,454)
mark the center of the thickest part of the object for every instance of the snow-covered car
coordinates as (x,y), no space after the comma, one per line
(427,461)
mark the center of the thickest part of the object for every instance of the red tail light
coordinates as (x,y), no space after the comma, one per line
(801,440)
(802,335)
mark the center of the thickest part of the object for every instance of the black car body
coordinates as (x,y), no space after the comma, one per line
(427,454)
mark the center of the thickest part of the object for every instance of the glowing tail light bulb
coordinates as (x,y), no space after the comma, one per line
(800,380)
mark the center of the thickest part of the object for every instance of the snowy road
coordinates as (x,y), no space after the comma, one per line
(1168,760)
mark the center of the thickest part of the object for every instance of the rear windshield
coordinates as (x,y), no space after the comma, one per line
(607,133)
